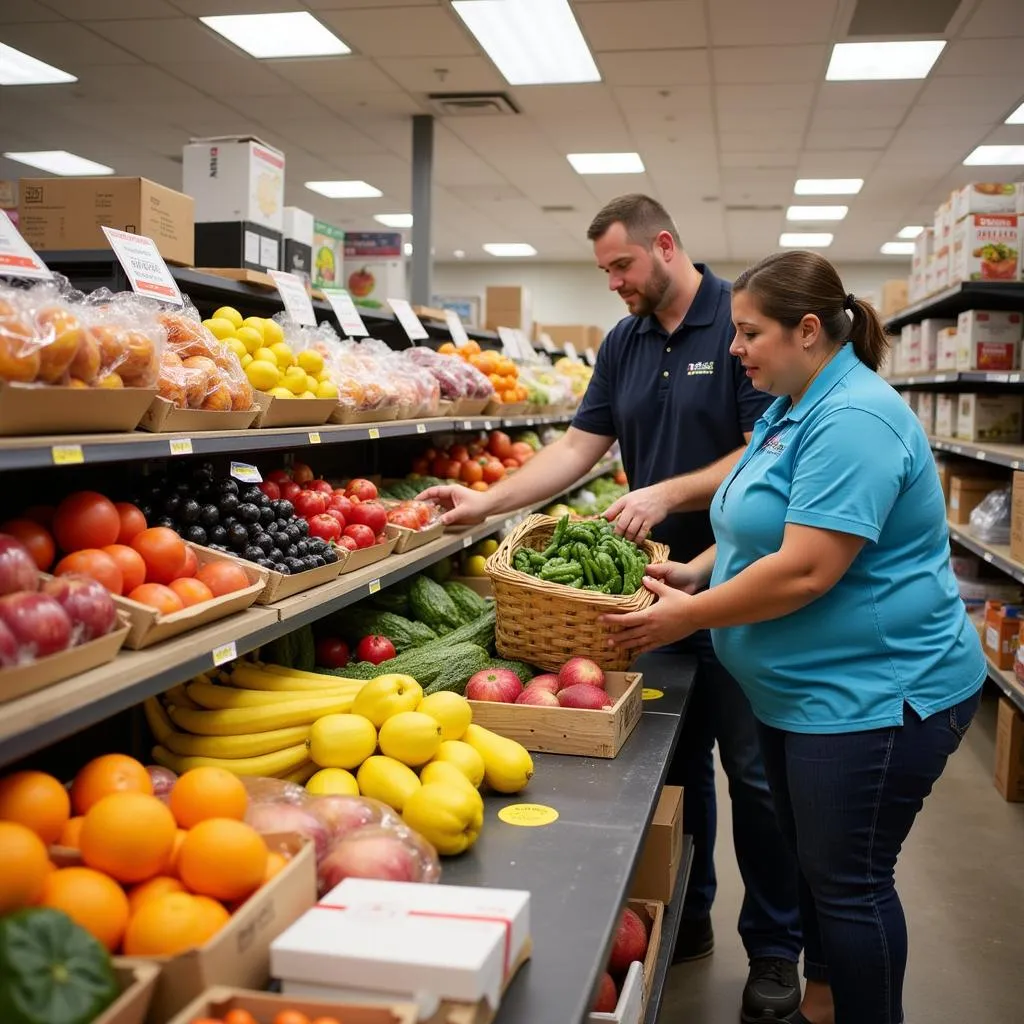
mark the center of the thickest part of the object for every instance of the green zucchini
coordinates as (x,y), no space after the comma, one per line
(469,603)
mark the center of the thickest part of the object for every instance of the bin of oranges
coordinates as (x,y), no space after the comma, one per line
(497,368)
(223,1005)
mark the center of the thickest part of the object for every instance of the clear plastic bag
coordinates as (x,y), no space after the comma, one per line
(412,514)
(363,380)
(990,520)
(456,378)
(129,341)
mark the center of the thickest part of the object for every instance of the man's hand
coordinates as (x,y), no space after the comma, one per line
(465,507)
(667,620)
(639,512)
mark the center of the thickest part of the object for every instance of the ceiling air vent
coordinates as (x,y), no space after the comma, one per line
(915,18)
(753,208)
(471,104)
(558,209)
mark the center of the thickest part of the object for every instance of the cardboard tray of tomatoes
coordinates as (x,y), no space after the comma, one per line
(409,540)
(292,412)
(50,409)
(362,557)
(24,679)
(149,626)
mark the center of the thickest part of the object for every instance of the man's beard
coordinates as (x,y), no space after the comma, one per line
(649,299)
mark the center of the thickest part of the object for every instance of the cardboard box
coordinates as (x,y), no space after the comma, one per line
(912,398)
(235,178)
(69,213)
(297,253)
(965,494)
(243,244)
(1002,628)
(137,981)
(656,874)
(988,340)
(911,359)
(989,417)
(54,410)
(1009,772)
(926,411)
(946,349)
(930,341)
(943,222)
(895,295)
(239,954)
(409,540)
(217,1002)
(943,262)
(508,306)
(290,412)
(408,941)
(164,416)
(984,197)
(1017,518)
(362,557)
(985,248)
(944,467)
(945,415)
(652,913)
(582,336)
(551,730)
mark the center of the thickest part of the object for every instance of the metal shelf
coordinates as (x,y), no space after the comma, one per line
(1010,455)
(959,297)
(994,554)
(669,931)
(1008,683)
(955,377)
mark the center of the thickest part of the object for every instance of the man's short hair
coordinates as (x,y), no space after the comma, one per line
(643,218)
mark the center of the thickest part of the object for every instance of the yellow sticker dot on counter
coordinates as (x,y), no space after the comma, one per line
(649,693)
(530,815)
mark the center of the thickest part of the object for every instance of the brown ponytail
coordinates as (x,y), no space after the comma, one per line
(789,285)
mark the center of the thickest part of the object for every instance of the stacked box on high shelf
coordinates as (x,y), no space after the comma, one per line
(1017,518)
(966,493)
(941,257)
(926,411)
(988,340)
(924,250)
(1002,630)
(946,348)
(1009,770)
(930,330)
(945,416)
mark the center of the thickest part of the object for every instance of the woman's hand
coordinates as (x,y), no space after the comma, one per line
(669,619)
(685,576)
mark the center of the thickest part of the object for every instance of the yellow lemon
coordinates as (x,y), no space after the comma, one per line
(236,346)
(487,547)
(250,338)
(311,361)
(476,566)
(329,781)
(326,389)
(311,382)
(272,332)
(267,355)
(322,375)
(387,780)
(450,711)
(262,375)
(410,737)
(443,772)
(387,695)
(245,360)
(228,313)
(341,741)
(294,380)
(280,392)
(258,324)
(308,394)
(462,756)
(448,816)
(220,328)
(285,356)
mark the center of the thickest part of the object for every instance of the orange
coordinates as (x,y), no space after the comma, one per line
(239,1017)
(130,836)
(111,773)
(36,800)
(24,865)
(291,1017)
(208,793)
(191,591)
(213,916)
(159,886)
(275,863)
(91,900)
(223,858)
(171,867)
(165,925)
(71,833)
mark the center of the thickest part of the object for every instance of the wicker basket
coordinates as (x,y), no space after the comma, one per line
(545,623)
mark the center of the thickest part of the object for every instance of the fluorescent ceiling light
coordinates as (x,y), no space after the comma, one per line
(817,212)
(460,254)
(1017,117)
(860,62)
(293,34)
(805,239)
(60,161)
(394,220)
(606,163)
(898,249)
(17,68)
(532,42)
(510,249)
(993,156)
(828,186)
(344,189)
(910,231)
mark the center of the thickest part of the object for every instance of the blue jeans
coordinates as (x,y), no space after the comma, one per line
(846,803)
(769,923)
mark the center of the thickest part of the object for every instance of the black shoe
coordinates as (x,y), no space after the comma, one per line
(772,991)
(695,940)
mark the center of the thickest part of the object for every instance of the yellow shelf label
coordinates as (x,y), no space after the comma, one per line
(67,455)
(374,434)
(226,652)
(314,437)
(528,815)
(181,445)
(374,586)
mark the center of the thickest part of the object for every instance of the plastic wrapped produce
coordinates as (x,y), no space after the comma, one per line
(990,520)
(456,378)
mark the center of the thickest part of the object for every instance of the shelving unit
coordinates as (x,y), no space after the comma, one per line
(669,931)
(1010,455)
(953,301)
(956,377)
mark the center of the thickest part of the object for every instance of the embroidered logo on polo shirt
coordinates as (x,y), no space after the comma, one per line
(704,369)
(773,445)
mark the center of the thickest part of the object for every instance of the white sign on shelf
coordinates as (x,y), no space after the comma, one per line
(346,312)
(408,319)
(456,328)
(17,258)
(508,342)
(297,303)
(570,351)
(548,344)
(591,356)
(525,348)
(147,273)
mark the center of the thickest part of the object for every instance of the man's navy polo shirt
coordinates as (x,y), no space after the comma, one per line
(675,403)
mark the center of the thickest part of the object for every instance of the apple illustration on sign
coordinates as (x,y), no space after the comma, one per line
(361,283)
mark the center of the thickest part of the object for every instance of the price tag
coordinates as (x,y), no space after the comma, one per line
(145,267)
(508,342)
(987,556)
(649,693)
(373,433)
(181,445)
(17,258)
(421,428)
(314,437)
(246,473)
(226,652)
(346,312)
(467,424)
(455,328)
(408,319)
(528,815)
(570,351)
(297,303)
(467,541)
(67,454)
(981,456)
(374,586)
(487,424)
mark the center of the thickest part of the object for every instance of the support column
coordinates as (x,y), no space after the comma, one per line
(421,290)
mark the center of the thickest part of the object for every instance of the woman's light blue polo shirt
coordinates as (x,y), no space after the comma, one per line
(850,457)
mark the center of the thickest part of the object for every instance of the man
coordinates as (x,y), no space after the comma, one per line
(682,410)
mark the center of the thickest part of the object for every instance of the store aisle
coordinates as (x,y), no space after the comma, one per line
(962,885)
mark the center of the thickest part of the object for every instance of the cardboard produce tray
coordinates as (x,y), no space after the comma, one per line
(149,627)
(292,412)
(469,406)
(138,982)
(342,414)
(569,730)
(44,409)
(503,409)
(362,557)
(217,1002)
(409,540)
(163,416)
(279,586)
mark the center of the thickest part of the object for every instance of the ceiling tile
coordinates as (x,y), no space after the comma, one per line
(787,158)
(838,163)
(101,10)
(205,8)
(854,118)
(403,32)
(756,23)
(166,39)
(979,56)
(387,104)
(443,74)
(139,81)
(558,101)
(233,77)
(1001,92)
(732,120)
(636,24)
(671,67)
(65,45)
(838,136)
(780,95)
(335,76)
(862,95)
(682,109)
(335,5)
(995,19)
(766,141)
(328,136)
(938,115)
(754,65)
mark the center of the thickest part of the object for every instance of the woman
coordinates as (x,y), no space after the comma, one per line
(832,602)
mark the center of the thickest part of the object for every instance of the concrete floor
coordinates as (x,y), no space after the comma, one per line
(961,880)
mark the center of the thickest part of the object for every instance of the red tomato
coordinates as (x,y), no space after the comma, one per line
(421,467)
(36,538)
(369,513)
(510,463)
(362,535)
(424,512)
(191,564)
(324,526)
(471,472)
(86,519)
(522,451)
(271,489)
(493,471)
(164,553)
(133,522)
(157,596)
(309,503)
(375,649)
(320,485)
(290,489)
(129,561)
(41,514)
(95,563)
(499,444)
(405,517)
(278,476)
(340,503)
(191,591)
(332,652)
(344,541)
(223,577)
(301,473)
(364,490)
(337,517)
(458,453)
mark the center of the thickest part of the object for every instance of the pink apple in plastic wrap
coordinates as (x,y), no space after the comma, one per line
(163,779)
(370,853)
(583,695)
(17,569)
(268,818)
(580,670)
(341,815)
(87,602)
(39,624)
(548,681)
(538,696)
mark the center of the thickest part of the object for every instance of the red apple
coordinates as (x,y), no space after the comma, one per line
(500,685)
(548,681)
(630,942)
(320,485)
(17,569)
(324,526)
(339,503)
(337,517)
(580,670)
(583,695)
(344,814)
(332,652)
(301,473)
(39,624)
(8,647)
(362,535)
(607,996)
(271,489)
(278,476)
(539,696)
(345,541)
(364,490)
(371,514)
(290,490)
(375,649)
(269,818)
(370,853)
(309,503)
(88,603)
